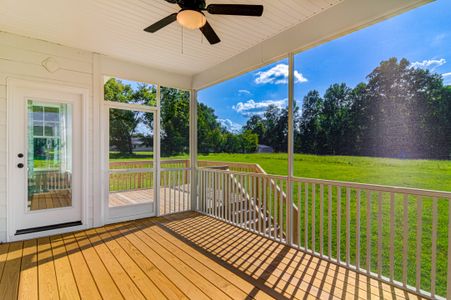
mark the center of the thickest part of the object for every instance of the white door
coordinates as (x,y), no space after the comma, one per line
(45,159)
(130,155)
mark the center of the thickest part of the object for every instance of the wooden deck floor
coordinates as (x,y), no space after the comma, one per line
(186,255)
(53,199)
(173,200)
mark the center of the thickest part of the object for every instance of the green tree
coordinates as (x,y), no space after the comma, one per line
(403,111)
(209,131)
(174,121)
(310,123)
(256,125)
(249,141)
(123,123)
(335,119)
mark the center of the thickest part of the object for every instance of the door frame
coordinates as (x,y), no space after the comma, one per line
(12,85)
(130,212)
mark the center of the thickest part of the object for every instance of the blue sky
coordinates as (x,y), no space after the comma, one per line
(423,36)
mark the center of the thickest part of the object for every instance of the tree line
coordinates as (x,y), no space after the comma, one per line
(400,111)
(127,126)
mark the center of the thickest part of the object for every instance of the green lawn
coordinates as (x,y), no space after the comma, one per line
(425,174)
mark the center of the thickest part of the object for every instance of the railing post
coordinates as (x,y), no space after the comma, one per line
(157,153)
(193,148)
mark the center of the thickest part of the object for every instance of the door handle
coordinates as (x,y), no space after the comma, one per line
(20,165)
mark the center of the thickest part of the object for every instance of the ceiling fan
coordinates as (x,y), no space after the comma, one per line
(191,16)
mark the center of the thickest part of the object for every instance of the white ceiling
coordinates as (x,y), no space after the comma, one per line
(115,28)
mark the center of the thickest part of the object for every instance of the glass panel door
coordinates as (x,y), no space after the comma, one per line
(49,138)
(46,148)
(131,162)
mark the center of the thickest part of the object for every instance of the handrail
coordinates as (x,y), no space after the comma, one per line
(357,185)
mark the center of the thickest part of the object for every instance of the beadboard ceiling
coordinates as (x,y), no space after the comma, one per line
(115,28)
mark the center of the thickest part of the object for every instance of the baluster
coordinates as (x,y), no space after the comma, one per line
(306,227)
(329,222)
(313,216)
(281,210)
(271,220)
(405,238)
(368,232)
(250,210)
(276,219)
(321,220)
(392,236)
(379,236)
(255,208)
(434,247)
(357,230)
(348,226)
(260,203)
(265,219)
(419,241)
(299,211)
(339,223)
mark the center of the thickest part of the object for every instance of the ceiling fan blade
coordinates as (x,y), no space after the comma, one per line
(236,9)
(162,23)
(210,34)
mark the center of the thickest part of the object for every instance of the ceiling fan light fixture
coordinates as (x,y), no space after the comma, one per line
(191,19)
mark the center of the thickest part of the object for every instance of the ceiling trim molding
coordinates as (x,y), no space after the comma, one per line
(136,72)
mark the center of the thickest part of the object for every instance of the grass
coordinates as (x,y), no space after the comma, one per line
(424,174)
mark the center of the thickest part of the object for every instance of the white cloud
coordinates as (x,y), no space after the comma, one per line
(230,125)
(430,64)
(278,75)
(447,78)
(251,107)
(245,92)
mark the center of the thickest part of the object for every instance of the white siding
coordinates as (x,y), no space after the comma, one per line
(2,161)
(22,57)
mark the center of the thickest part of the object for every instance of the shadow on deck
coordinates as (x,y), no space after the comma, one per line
(186,255)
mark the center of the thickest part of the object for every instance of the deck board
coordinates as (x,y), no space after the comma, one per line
(28,288)
(9,283)
(47,284)
(181,256)
(67,286)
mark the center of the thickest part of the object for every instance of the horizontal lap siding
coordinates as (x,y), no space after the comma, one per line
(2,160)
(21,57)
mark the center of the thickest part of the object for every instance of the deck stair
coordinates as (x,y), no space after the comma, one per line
(236,203)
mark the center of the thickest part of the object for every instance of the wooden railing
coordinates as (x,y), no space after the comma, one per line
(44,181)
(400,236)
(175,190)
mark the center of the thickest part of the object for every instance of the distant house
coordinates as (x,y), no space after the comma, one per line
(264,149)
(138,145)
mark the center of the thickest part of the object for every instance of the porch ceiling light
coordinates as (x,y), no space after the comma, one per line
(191,19)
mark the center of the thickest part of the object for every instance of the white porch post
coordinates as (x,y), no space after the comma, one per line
(157,151)
(289,205)
(193,147)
